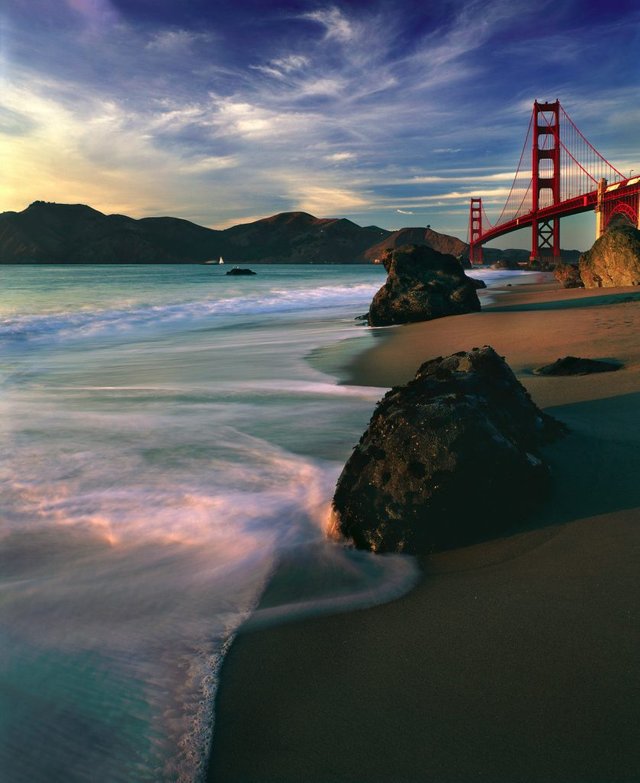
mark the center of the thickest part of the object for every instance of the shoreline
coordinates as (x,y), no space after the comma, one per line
(514,659)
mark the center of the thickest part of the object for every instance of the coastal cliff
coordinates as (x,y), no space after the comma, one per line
(614,259)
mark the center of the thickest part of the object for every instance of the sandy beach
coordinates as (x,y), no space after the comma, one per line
(512,660)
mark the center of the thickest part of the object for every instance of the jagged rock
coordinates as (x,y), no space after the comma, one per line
(574,365)
(614,259)
(422,284)
(568,275)
(448,459)
(241,271)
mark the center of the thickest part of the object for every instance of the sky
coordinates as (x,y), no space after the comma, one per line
(389,112)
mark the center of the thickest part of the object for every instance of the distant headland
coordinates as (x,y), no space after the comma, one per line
(48,232)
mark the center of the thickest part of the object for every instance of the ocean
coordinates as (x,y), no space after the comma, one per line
(168,434)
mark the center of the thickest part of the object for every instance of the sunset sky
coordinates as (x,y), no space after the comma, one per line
(391,113)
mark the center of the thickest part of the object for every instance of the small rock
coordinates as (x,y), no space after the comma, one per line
(506,263)
(574,365)
(568,275)
(240,271)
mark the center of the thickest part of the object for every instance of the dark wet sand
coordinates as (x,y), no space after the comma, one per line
(513,660)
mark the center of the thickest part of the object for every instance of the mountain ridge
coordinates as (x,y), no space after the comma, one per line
(49,232)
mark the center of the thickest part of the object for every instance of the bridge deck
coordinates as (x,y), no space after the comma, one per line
(572,206)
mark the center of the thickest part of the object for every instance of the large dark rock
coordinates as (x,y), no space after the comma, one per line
(568,275)
(614,259)
(448,459)
(422,284)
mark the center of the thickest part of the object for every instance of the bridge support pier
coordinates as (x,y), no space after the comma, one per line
(545,242)
(602,187)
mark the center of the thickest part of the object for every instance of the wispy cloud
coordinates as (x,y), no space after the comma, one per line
(340,157)
(341,109)
(176,41)
(281,67)
(96,13)
(337,26)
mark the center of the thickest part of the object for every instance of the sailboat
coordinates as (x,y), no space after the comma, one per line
(220,261)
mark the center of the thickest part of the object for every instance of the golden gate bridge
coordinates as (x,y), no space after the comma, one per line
(566,175)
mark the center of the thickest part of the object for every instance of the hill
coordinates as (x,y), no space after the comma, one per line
(74,234)
(297,237)
(443,243)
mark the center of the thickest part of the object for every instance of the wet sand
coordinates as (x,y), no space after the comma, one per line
(512,660)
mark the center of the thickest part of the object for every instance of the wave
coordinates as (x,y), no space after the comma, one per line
(125,320)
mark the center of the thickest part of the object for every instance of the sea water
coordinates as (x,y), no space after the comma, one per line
(164,440)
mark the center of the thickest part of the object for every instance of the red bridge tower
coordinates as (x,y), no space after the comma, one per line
(568,176)
(545,166)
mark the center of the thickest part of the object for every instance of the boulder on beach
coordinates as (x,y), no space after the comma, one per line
(575,365)
(568,275)
(614,259)
(237,270)
(506,263)
(449,459)
(422,284)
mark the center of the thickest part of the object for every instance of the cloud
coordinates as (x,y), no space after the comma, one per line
(105,155)
(175,41)
(324,201)
(250,121)
(94,12)
(15,123)
(405,212)
(281,67)
(340,157)
(211,163)
(343,109)
(469,176)
(455,195)
(336,24)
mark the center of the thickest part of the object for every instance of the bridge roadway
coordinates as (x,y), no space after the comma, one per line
(572,206)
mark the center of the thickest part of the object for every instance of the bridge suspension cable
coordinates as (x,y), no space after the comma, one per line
(519,199)
(581,165)
(581,168)
(564,175)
